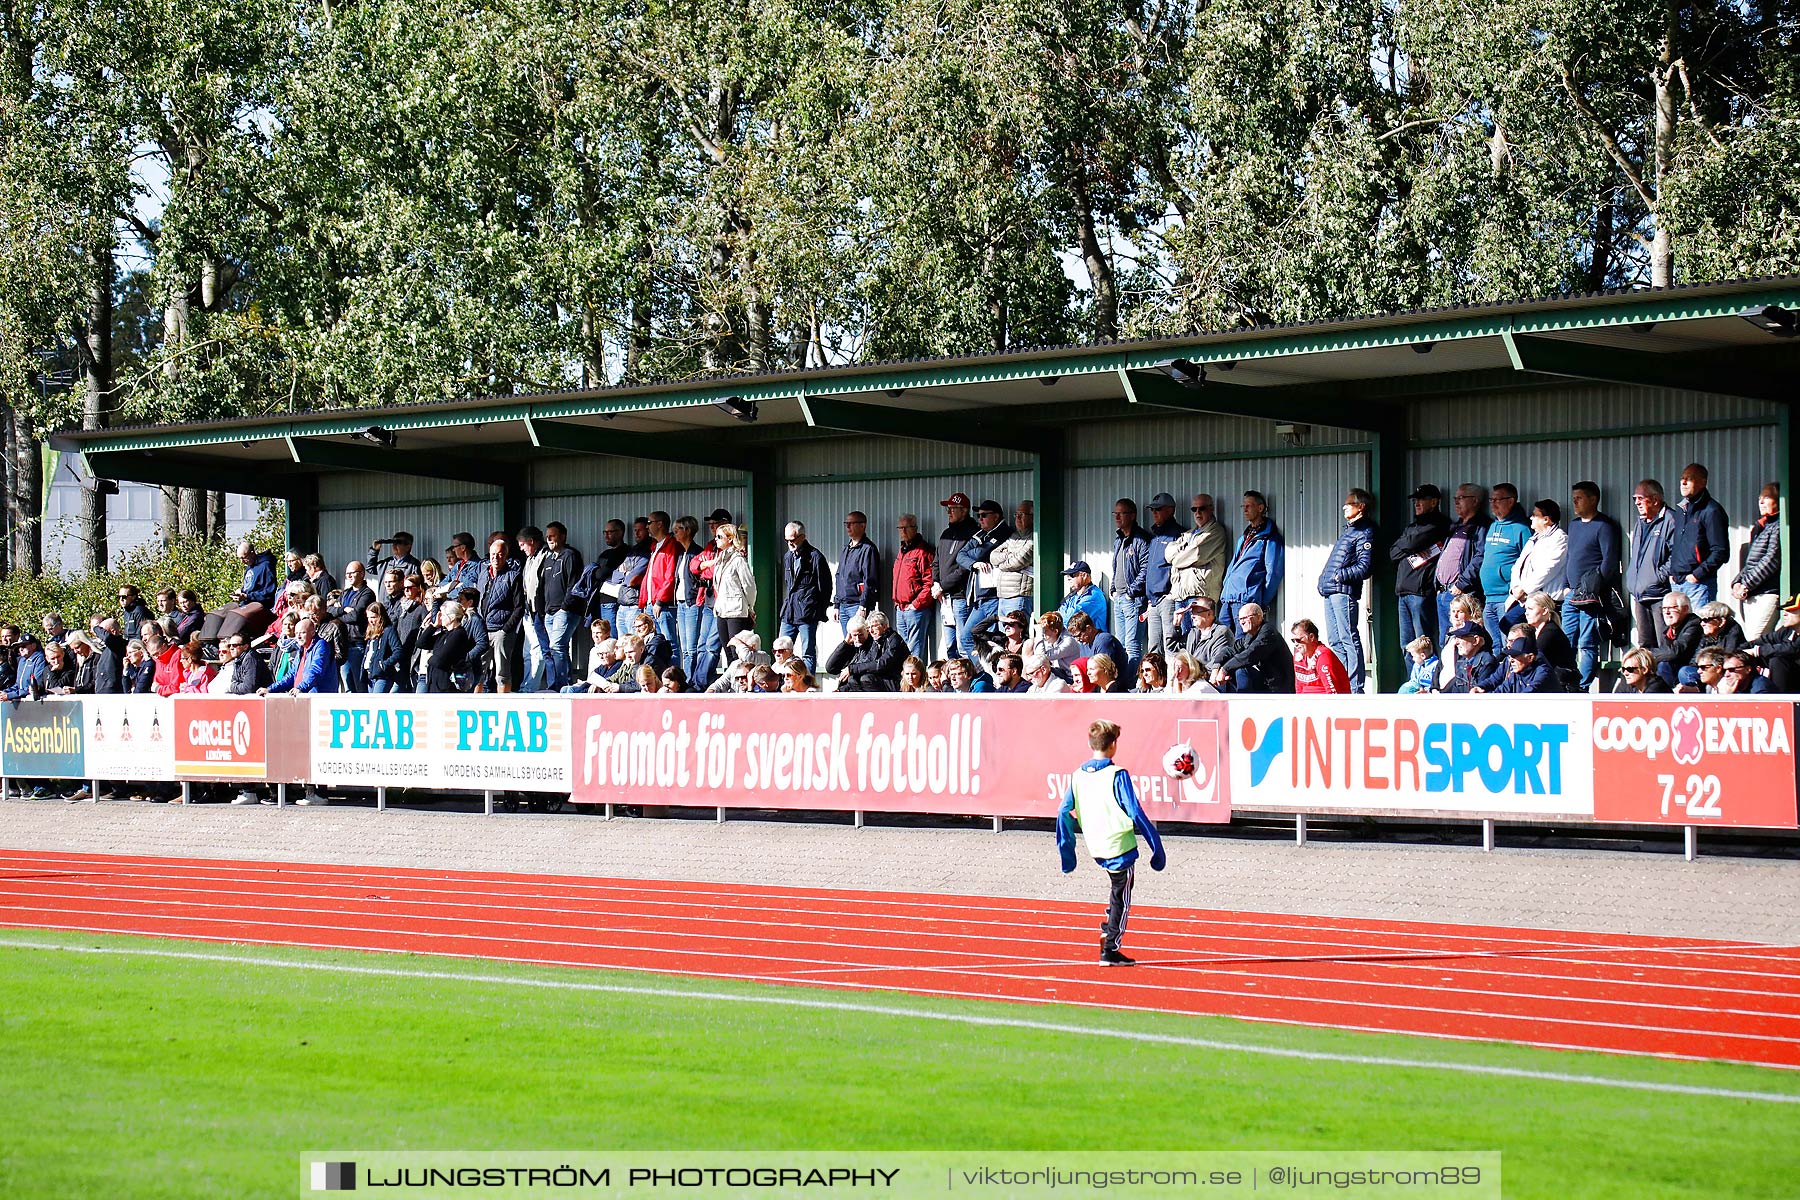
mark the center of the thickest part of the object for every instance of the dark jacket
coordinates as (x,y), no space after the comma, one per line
(1729,637)
(952,577)
(1472,670)
(1679,643)
(352,609)
(628,577)
(133,616)
(977,550)
(1351,560)
(1703,542)
(1131,555)
(1653,686)
(1760,568)
(406,623)
(808,582)
(140,679)
(1265,655)
(1647,578)
(1539,677)
(556,576)
(858,577)
(260,580)
(1553,647)
(251,672)
(1156,561)
(388,659)
(32,669)
(585,596)
(449,651)
(1594,549)
(1418,538)
(381,566)
(109,662)
(1779,650)
(874,666)
(503,600)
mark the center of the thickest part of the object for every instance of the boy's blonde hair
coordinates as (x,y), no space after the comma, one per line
(1419,645)
(1102,735)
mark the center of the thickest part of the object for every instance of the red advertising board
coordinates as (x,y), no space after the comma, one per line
(240,738)
(1676,762)
(1008,756)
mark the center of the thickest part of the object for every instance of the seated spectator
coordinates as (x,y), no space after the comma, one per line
(189,616)
(54,628)
(1548,638)
(109,655)
(1637,675)
(1187,675)
(1475,662)
(1207,640)
(997,635)
(59,670)
(1719,631)
(735,678)
(132,609)
(1741,676)
(912,675)
(385,656)
(287,644)
(167,658)
(1779,650)
(1681,637)
(81,653)
(1259,663)
(1703,676)
(140,669)
(674,679)
(781,649)
(1040,675)
(1526,673)
(623,676)
(254,601)
(1153,673)
(763,679)
(1093,639)
(1009,675)
(1053,642)
(28,677)
(603,659)
(870,656)
(1464,610)
(1103,675)
(960,676)
(315,670)
(657,650)
(1424,667)
(196,672)
(1317,670)
(747,647)
(240,672)
(796,679)
(292,595)
(936,676)
(168,603)
(648,680)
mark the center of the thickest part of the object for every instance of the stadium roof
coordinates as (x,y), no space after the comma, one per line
(1354,373)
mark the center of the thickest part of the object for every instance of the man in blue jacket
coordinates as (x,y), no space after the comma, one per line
(1702,543)
(982,599)
(1506,538)
(32,669)
(1526,672)
(503,610)
(1131,554)
(313,670)
(858,590)
(1590,571)
(1159,608)
(1257,565)
(1101,799)
(255,598)
(1084,595)
(1341,583)
(807,577)
(1647,578)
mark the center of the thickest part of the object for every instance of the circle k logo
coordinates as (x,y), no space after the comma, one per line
(240,733)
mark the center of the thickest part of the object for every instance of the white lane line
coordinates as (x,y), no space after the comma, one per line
(971,1019)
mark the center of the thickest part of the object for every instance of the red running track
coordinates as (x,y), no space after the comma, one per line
(1669,997)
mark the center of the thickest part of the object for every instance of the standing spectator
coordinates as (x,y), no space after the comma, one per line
(1011,562)
(660,579)
(384,655)
(463,568)
(1590,573)
(628,578)
(352,609)
(55,630)
(1257,566)
(1196,566)
(1084,595)
(189,616)
(982,601)
(314,671)
(59,669)
(1259,663)
(1416,550)
(1647,580)
(1702,543)
(1317,670)
(402,556)
(318,576)
(1351,562)
(807,577)
(690,598)
(1458,568)
(1131,551)
(1159,615)
(392,593)
(406,619)
(858,589)
(109,655)
(1540,565)
(951,578)
(734,587)
(699,564)
(1759,569)
(557,575)
(913,605)
(1507,534)
(598,587)
(295,565)
(132,609)
(502,611)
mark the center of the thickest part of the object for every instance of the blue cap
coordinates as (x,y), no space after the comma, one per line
(1077,567)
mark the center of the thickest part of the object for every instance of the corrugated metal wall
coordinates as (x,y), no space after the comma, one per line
(584,492)
(1571,407)
(358,507)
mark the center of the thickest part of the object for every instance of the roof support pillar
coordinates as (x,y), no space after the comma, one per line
(302,515)
(764,528)
(1049,495)
(1787,458)
(1387,479)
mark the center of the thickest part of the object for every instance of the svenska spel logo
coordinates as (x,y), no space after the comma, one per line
(334,1177)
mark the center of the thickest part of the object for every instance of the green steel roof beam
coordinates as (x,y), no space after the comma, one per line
(339,456)
(824,412)
(169,471)
(1154,389)
(1636,368)
(568,438)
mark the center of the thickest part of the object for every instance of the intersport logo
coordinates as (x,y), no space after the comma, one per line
(233,734)
(1688,735)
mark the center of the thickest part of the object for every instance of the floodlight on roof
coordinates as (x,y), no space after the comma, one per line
(1773,319)
(744,410)
(1184,371)
(375,435)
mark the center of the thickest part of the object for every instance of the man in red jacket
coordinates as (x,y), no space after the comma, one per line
(915,564)
(658,598)
(1317,671)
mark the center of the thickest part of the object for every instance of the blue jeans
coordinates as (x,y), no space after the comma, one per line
(915,630)
(627,616)
(1130,632)
(1418,618)
(1343,633)
(378,687)
(1159,626)
(354,677)
(608,613)
(1018,604)
(1700,593)
(1583,630)
(961,646)
(560,628)
(1443,613)
(668,627)
(536,665)
(688,618)
(966,621)
(706,658)
(1491,612)
(803,633)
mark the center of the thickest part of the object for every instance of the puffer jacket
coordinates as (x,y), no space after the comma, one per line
(734,585)
(1352,559)
(1012,561)
(1197,562)
(1760,570)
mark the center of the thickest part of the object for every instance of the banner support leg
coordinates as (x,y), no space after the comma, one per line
(187,792)
(281,795)
(859,818)
(609,811)
(380,799)
(997,825)
(1690,842)
(719,817)
(1487,836)
(1299,829)
(487,803)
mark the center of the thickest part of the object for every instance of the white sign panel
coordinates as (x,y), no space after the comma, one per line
(468,743)
(130,737)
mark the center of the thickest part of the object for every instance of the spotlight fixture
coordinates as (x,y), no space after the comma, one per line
(896,393)
(1642,326)
(1294,435)
(1227,365)
(1184,371)
(744,410)
(1772,319)
(1049,380)
(375,435)
(1423,347)
(106,487)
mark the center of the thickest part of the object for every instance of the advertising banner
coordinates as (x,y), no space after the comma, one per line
(985,755)
(42,739)
(1463,755)
(130,737)
(466,743)
(1675,762)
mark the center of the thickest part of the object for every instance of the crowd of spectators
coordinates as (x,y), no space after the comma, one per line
(1492,597)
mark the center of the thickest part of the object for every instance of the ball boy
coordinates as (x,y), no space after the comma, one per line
(1102,801)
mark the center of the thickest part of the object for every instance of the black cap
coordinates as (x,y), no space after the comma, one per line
(721,515)
(1426,491)
(1466,630)
(1077,567)
(1521,647)
(989,506)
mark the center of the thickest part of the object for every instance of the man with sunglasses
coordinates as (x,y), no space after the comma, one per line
(1196,568)
(1159,615)
(133,612)
(1740,677)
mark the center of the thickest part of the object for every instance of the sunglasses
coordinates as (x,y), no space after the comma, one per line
(1200,508)
(1737,670)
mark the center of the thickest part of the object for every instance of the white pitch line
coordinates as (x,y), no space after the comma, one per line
(1058,1027)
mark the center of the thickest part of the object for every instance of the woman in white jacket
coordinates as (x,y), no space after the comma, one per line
(734,586)
(1540,564)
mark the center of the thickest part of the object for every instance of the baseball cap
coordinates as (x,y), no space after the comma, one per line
(1077,567)
(957,500)
(1520,647)
(1426,491)
(1162,500)
(1466,630)
(29,637)
(1792,605)
(991,506)
(721,515)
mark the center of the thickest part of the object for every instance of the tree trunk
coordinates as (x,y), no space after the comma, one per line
(1665,79)
(169,516)
(96,410)
(6,487)
(193,512)
(1600,264)
(215,516)
(26,499)
(1099,266)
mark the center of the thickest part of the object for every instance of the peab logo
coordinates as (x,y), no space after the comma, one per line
(334,1177)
